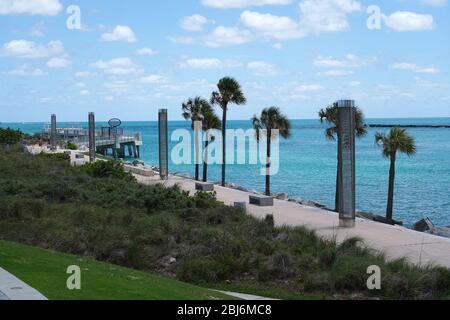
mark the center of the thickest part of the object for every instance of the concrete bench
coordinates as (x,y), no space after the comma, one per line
(262,201)
(204,186)
(240,205)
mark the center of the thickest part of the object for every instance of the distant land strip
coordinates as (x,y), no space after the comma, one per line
(407,126)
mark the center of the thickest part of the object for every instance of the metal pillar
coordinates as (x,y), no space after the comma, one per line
(92,150)
(347,191)
(53,133)
(163,144)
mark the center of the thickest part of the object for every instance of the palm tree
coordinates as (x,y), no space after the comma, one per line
(192,111)
(229,91)
(397,139)
(271,119)
(210,122)
(330,115)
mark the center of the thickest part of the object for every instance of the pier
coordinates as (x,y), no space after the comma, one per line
(117,143)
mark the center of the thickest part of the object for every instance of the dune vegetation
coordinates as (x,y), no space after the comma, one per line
(102,213)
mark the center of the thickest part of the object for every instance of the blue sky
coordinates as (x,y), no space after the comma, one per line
(131,58)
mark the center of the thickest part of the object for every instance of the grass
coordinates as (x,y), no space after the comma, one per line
(98,212)
(46,272)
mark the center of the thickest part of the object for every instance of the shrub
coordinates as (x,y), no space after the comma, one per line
(108,169)
(72,146)
(10,137)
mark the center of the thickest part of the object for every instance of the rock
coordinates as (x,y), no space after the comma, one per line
(172,260)
(382,219)
(282,196)
(423,225)
(427,226)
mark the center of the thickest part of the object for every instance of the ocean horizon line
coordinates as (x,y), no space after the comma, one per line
(182,120)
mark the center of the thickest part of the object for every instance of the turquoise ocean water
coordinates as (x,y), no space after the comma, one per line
(308,167)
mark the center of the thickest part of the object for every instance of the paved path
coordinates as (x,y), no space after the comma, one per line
(246,297)
(12,288)
(394,241)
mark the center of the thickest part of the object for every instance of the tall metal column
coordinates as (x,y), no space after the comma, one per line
(163,127)
(53,139)
(347,192)
(92,150)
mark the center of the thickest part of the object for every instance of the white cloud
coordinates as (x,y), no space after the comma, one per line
(271,26)
(153,78)
(25,70)
(349,61)
(318,16)
(84,92)
(30,49)
(337,73)
(83,74)
(32,7)
(209,63)
(194,23)
(404,21)
(120,34)
(183,40)
(310,88)
(416,68)
(38,30)
(262,68)
(434,3)
(59,63)
(145,52)
(354,83)
(119,66)
(278,46)
(230,4)
(224,36)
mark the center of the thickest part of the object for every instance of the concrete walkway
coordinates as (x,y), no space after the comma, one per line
(245,297)
(12,288)
(396,242)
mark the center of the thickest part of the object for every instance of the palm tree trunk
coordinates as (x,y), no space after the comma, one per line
(205,163)
(390,204)
(224,144)
(269,140)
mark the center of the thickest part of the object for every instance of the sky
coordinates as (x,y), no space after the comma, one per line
(129,59)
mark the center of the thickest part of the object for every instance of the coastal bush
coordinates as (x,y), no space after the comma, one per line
(10,137)
(108,169)
(101,213)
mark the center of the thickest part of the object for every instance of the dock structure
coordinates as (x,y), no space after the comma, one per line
(118,143)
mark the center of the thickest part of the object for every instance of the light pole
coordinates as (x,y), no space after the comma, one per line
(53,133)
(347,180)
(163,137)
(91,137)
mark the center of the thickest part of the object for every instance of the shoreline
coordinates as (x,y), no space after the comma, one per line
(144,169)
(443,232)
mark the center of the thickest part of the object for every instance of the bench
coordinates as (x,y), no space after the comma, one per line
(241,205)
(204,186)
(262,201)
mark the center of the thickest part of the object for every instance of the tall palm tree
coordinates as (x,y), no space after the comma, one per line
(229,92)
(192,111)
(330,115)
(210,122)
(397,139)
(271,119)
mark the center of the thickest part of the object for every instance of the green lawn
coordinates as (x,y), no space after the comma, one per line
(46,271)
